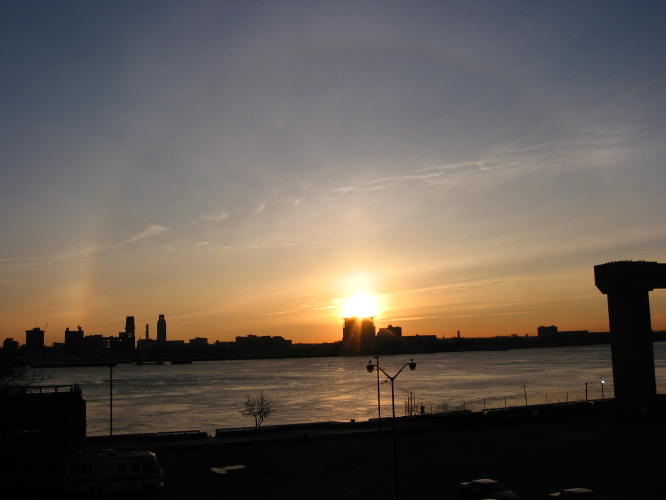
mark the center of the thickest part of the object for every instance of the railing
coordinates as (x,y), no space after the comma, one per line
(524,397)
(44,389)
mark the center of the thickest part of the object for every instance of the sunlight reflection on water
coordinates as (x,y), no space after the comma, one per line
(208,395)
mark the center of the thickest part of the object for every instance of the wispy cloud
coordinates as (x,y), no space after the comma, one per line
(215,218)
(342,190)
(79,253)
(594,149)
(150,231)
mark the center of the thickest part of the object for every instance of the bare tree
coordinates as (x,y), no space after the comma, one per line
(259,407)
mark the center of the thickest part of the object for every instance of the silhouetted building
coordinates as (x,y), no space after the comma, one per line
(48,418)
(198,341)
(572,333)
(129,325)
(161,329)
(147,332)
(547,331)
(127,340)
(144,346)
(358,335)
(34,339)
(262,344)
(393,331)
(420,343)
(626,285)
(10,346)
(95,346)
(74,342)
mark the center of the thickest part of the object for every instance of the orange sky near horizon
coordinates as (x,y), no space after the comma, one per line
(476,309)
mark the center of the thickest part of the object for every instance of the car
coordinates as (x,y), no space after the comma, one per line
(97,472)
(485,488)
(576,494)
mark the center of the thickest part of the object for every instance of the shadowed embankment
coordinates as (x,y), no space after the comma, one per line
(534,450)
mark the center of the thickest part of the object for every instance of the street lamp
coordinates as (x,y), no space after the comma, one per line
(370,367)
(111,365)
(379,401)
(603,382)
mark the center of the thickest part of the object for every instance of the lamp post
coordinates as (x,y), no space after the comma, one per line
(370,367)
(111,365)
(379,401)
(585,391)
(603,382)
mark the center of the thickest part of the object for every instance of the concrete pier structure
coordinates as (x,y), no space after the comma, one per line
(627,283)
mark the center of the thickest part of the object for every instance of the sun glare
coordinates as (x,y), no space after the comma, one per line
(360,305)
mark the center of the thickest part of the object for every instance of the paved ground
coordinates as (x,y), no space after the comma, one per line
(533,457)
(534,451)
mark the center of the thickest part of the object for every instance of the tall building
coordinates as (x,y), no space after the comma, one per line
(127,337)
(358,334)
(129,325)
(147,334)
(34,339)
(161,329)
(74,342)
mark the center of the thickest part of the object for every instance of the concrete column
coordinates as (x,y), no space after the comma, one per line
(631,347)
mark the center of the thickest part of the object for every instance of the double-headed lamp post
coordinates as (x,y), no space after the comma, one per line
(371,367)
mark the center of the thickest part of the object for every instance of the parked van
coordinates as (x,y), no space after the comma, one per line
(107,471)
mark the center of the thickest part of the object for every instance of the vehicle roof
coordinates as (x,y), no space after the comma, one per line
(485,480)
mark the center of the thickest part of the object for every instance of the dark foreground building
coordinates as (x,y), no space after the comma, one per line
(39,426)
(52,417)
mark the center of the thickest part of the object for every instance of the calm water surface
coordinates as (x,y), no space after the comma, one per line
(209,395)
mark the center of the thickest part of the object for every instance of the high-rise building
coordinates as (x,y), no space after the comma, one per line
(34,339)
(147,334)
(161,329)
(74,342)
(358,334)
(127,337)
(129,325)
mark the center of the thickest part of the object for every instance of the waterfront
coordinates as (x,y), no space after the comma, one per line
(209,395)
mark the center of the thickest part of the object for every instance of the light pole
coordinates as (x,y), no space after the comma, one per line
(379,401)
(111,365)
(603,382)
(585,391)
(370,367)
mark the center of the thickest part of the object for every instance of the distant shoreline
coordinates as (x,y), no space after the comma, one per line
(447,345)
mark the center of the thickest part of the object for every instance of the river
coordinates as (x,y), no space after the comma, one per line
(210,394)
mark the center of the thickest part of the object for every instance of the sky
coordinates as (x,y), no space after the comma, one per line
(244,167)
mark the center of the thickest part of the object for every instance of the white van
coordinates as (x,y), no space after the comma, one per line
(107,471)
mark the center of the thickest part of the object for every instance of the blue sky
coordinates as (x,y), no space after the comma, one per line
(242,166)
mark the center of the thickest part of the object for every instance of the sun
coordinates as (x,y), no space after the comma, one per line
(360,305)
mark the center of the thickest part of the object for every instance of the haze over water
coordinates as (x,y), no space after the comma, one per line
(209,395)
